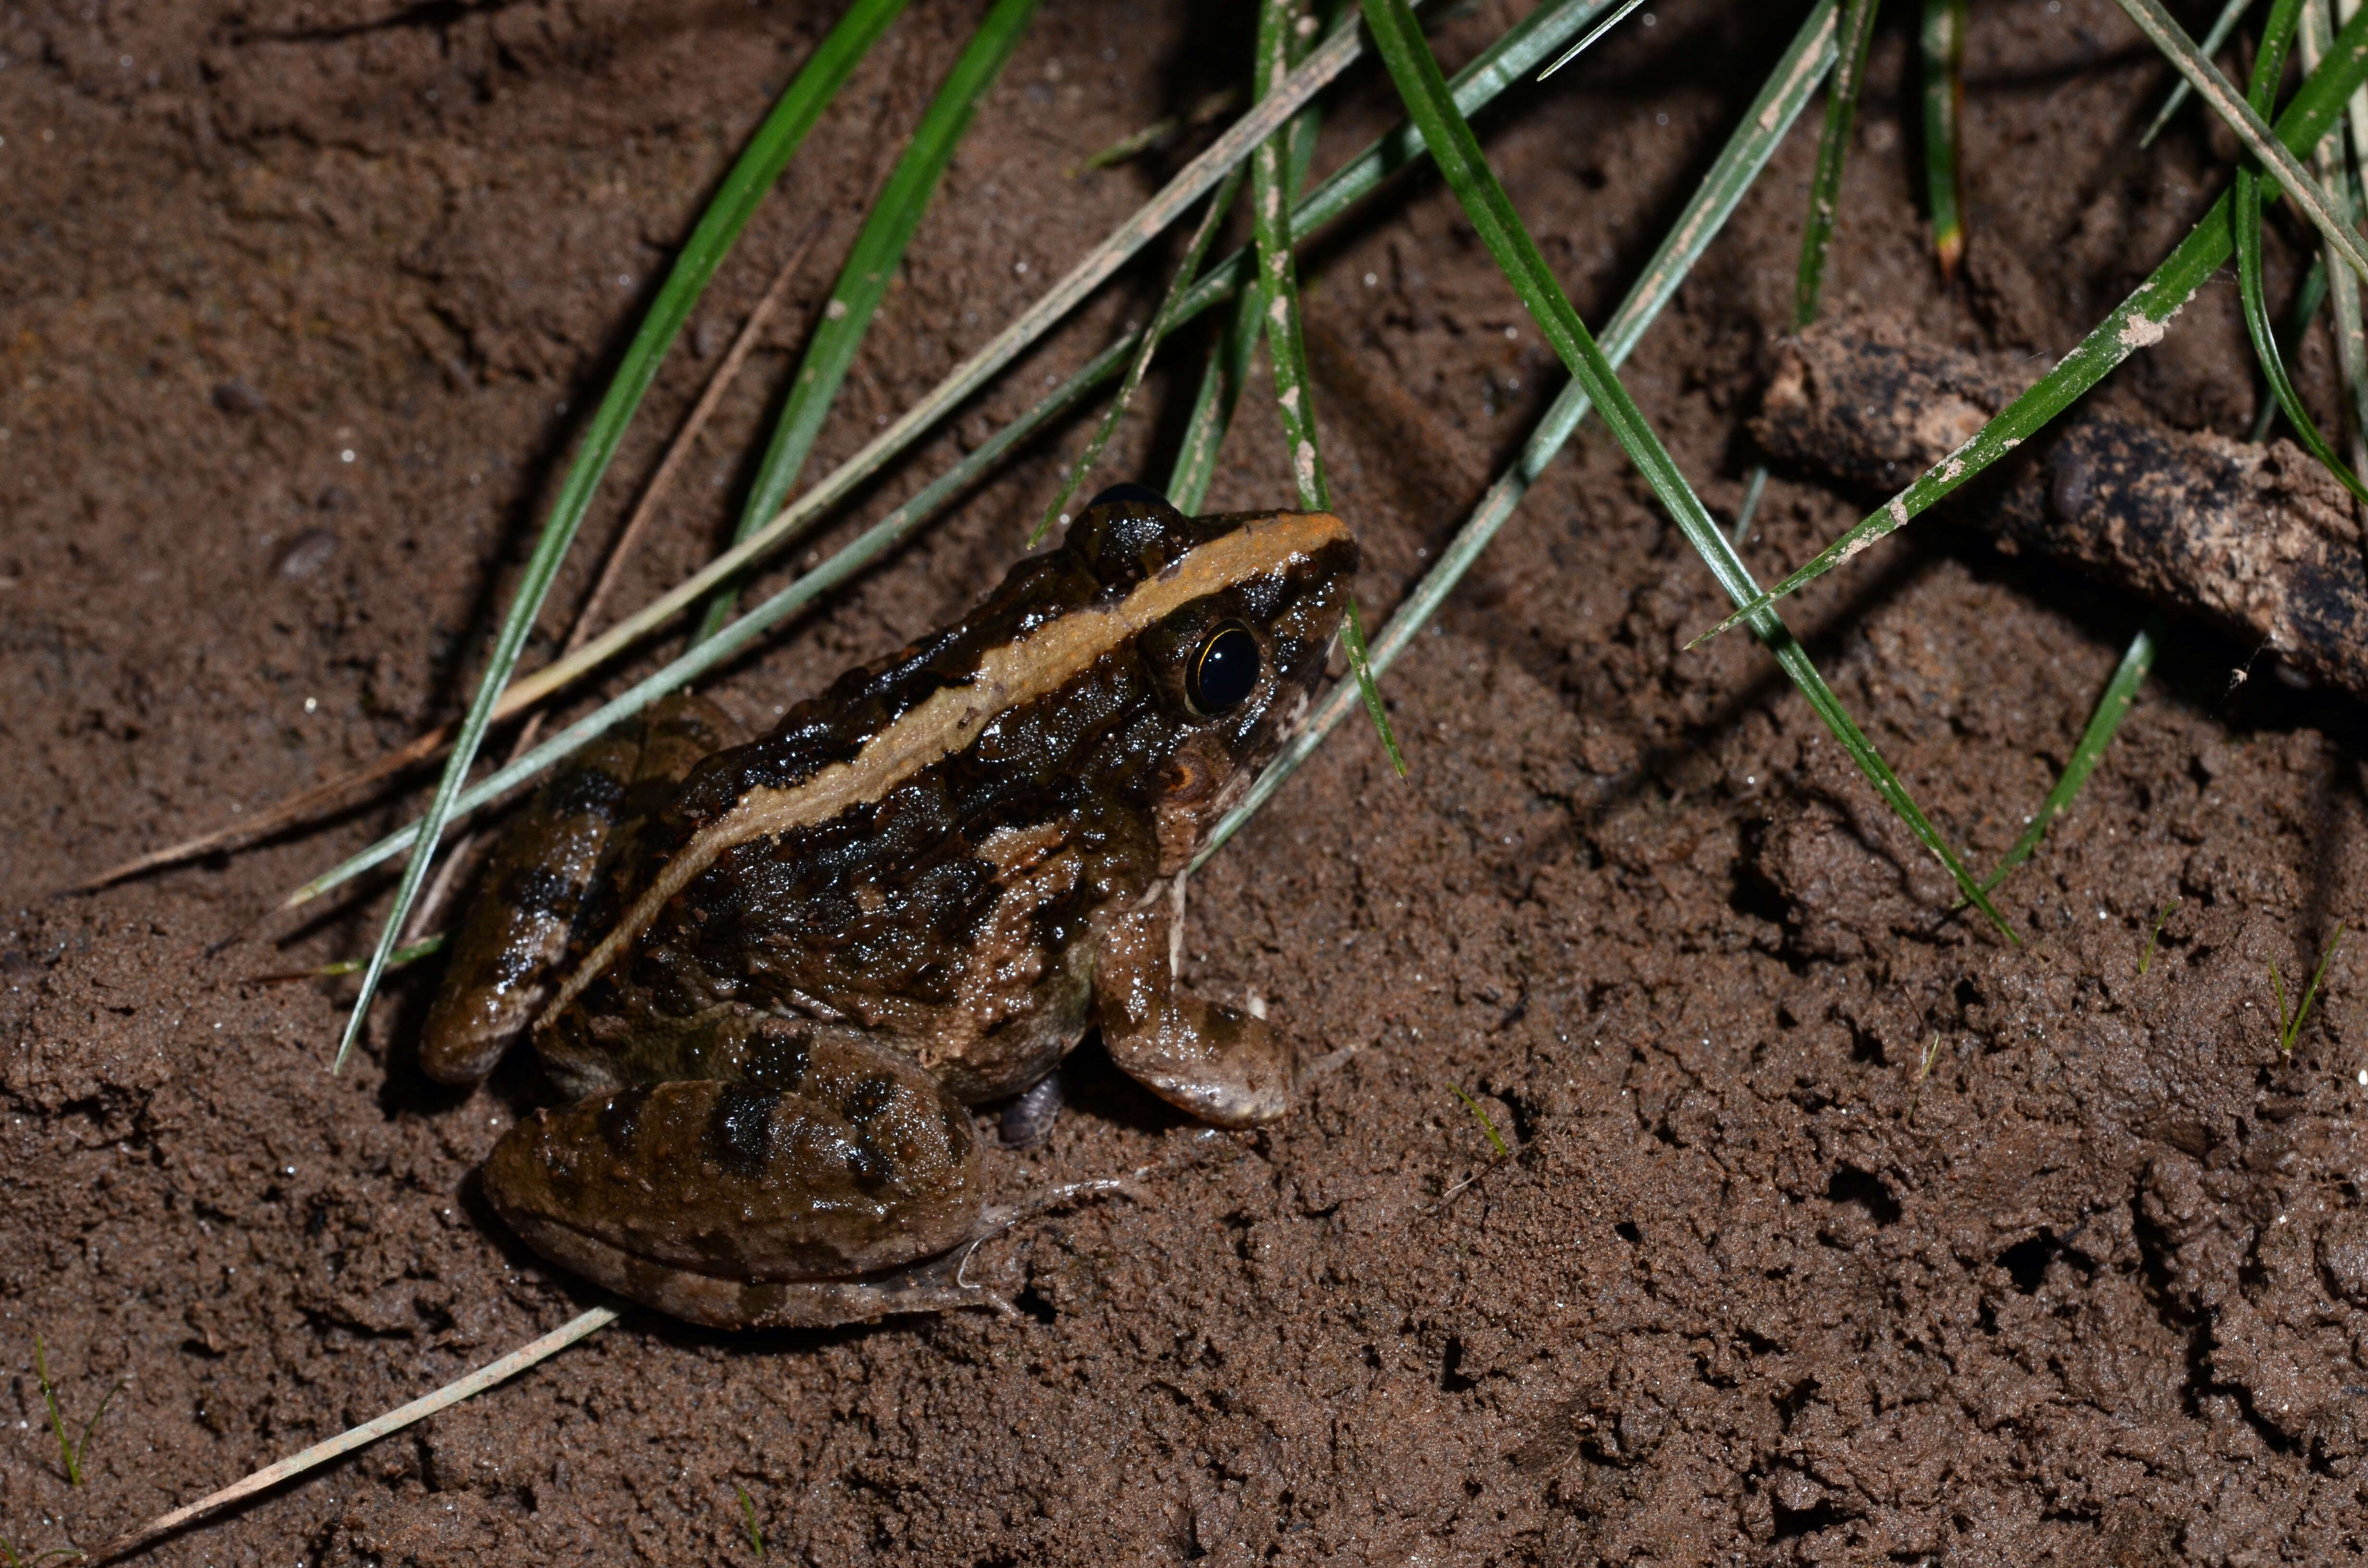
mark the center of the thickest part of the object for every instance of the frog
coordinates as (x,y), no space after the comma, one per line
(774,976)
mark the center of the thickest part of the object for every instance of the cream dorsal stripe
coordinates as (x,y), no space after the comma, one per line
(949,719)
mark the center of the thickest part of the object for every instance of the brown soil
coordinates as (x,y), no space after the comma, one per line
(2103,1297)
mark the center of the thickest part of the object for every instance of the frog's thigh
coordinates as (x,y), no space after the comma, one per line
(1223,1066)
(518,926)
(833,1158)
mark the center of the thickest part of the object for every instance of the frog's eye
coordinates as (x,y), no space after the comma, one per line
(1223,671)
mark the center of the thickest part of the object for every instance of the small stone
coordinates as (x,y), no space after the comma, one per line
(306,553)
(236,397)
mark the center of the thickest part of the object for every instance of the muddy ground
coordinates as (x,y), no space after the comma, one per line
(305,301)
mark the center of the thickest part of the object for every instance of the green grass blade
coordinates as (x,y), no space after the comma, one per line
(2222,25)
(1228,369)
(1833,150)
(1943,40)
(1502,65)
(2293,1031)
(1193,253)
(2111,707)
(2306,303)
(2137,323)
(1481,1117)
(872,262)
(1457,151)
(1294,389)
(1222,380)
(57,1418)
(750,177)
(1764,125)
(748,1517)
(2269,66)
(1278,275)
(2276,159)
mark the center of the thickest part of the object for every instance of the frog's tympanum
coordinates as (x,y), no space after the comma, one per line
(771,975)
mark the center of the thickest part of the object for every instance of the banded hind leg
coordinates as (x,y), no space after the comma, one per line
(546,878)
(769,1172)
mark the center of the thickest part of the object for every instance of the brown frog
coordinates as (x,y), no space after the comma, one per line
(772,975)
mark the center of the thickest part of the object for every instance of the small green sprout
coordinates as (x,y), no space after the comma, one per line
(1923,1070)
(1486,1125)
(72,1453)
(9,1553)
(2146,959)
(2289,1025)
(748,1513)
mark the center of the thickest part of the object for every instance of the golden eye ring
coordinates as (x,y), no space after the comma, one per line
(1223,671)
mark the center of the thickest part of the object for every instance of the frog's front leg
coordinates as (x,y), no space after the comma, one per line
(797,1182)
(1223,1065)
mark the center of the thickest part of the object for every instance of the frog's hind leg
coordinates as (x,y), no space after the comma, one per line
(1223,1066)
(546,873)
(797,1180)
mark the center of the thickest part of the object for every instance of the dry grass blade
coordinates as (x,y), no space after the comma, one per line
(2223,26)
(751,332)
(352,786)
(1583,45)
(395,1420)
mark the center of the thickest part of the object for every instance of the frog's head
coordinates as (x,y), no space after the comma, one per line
(1238,612)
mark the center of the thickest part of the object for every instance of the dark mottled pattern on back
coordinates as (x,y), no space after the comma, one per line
(877,911)
(740,1132)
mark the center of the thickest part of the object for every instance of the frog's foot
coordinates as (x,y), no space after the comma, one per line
(795,1195)
(1223,1065)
